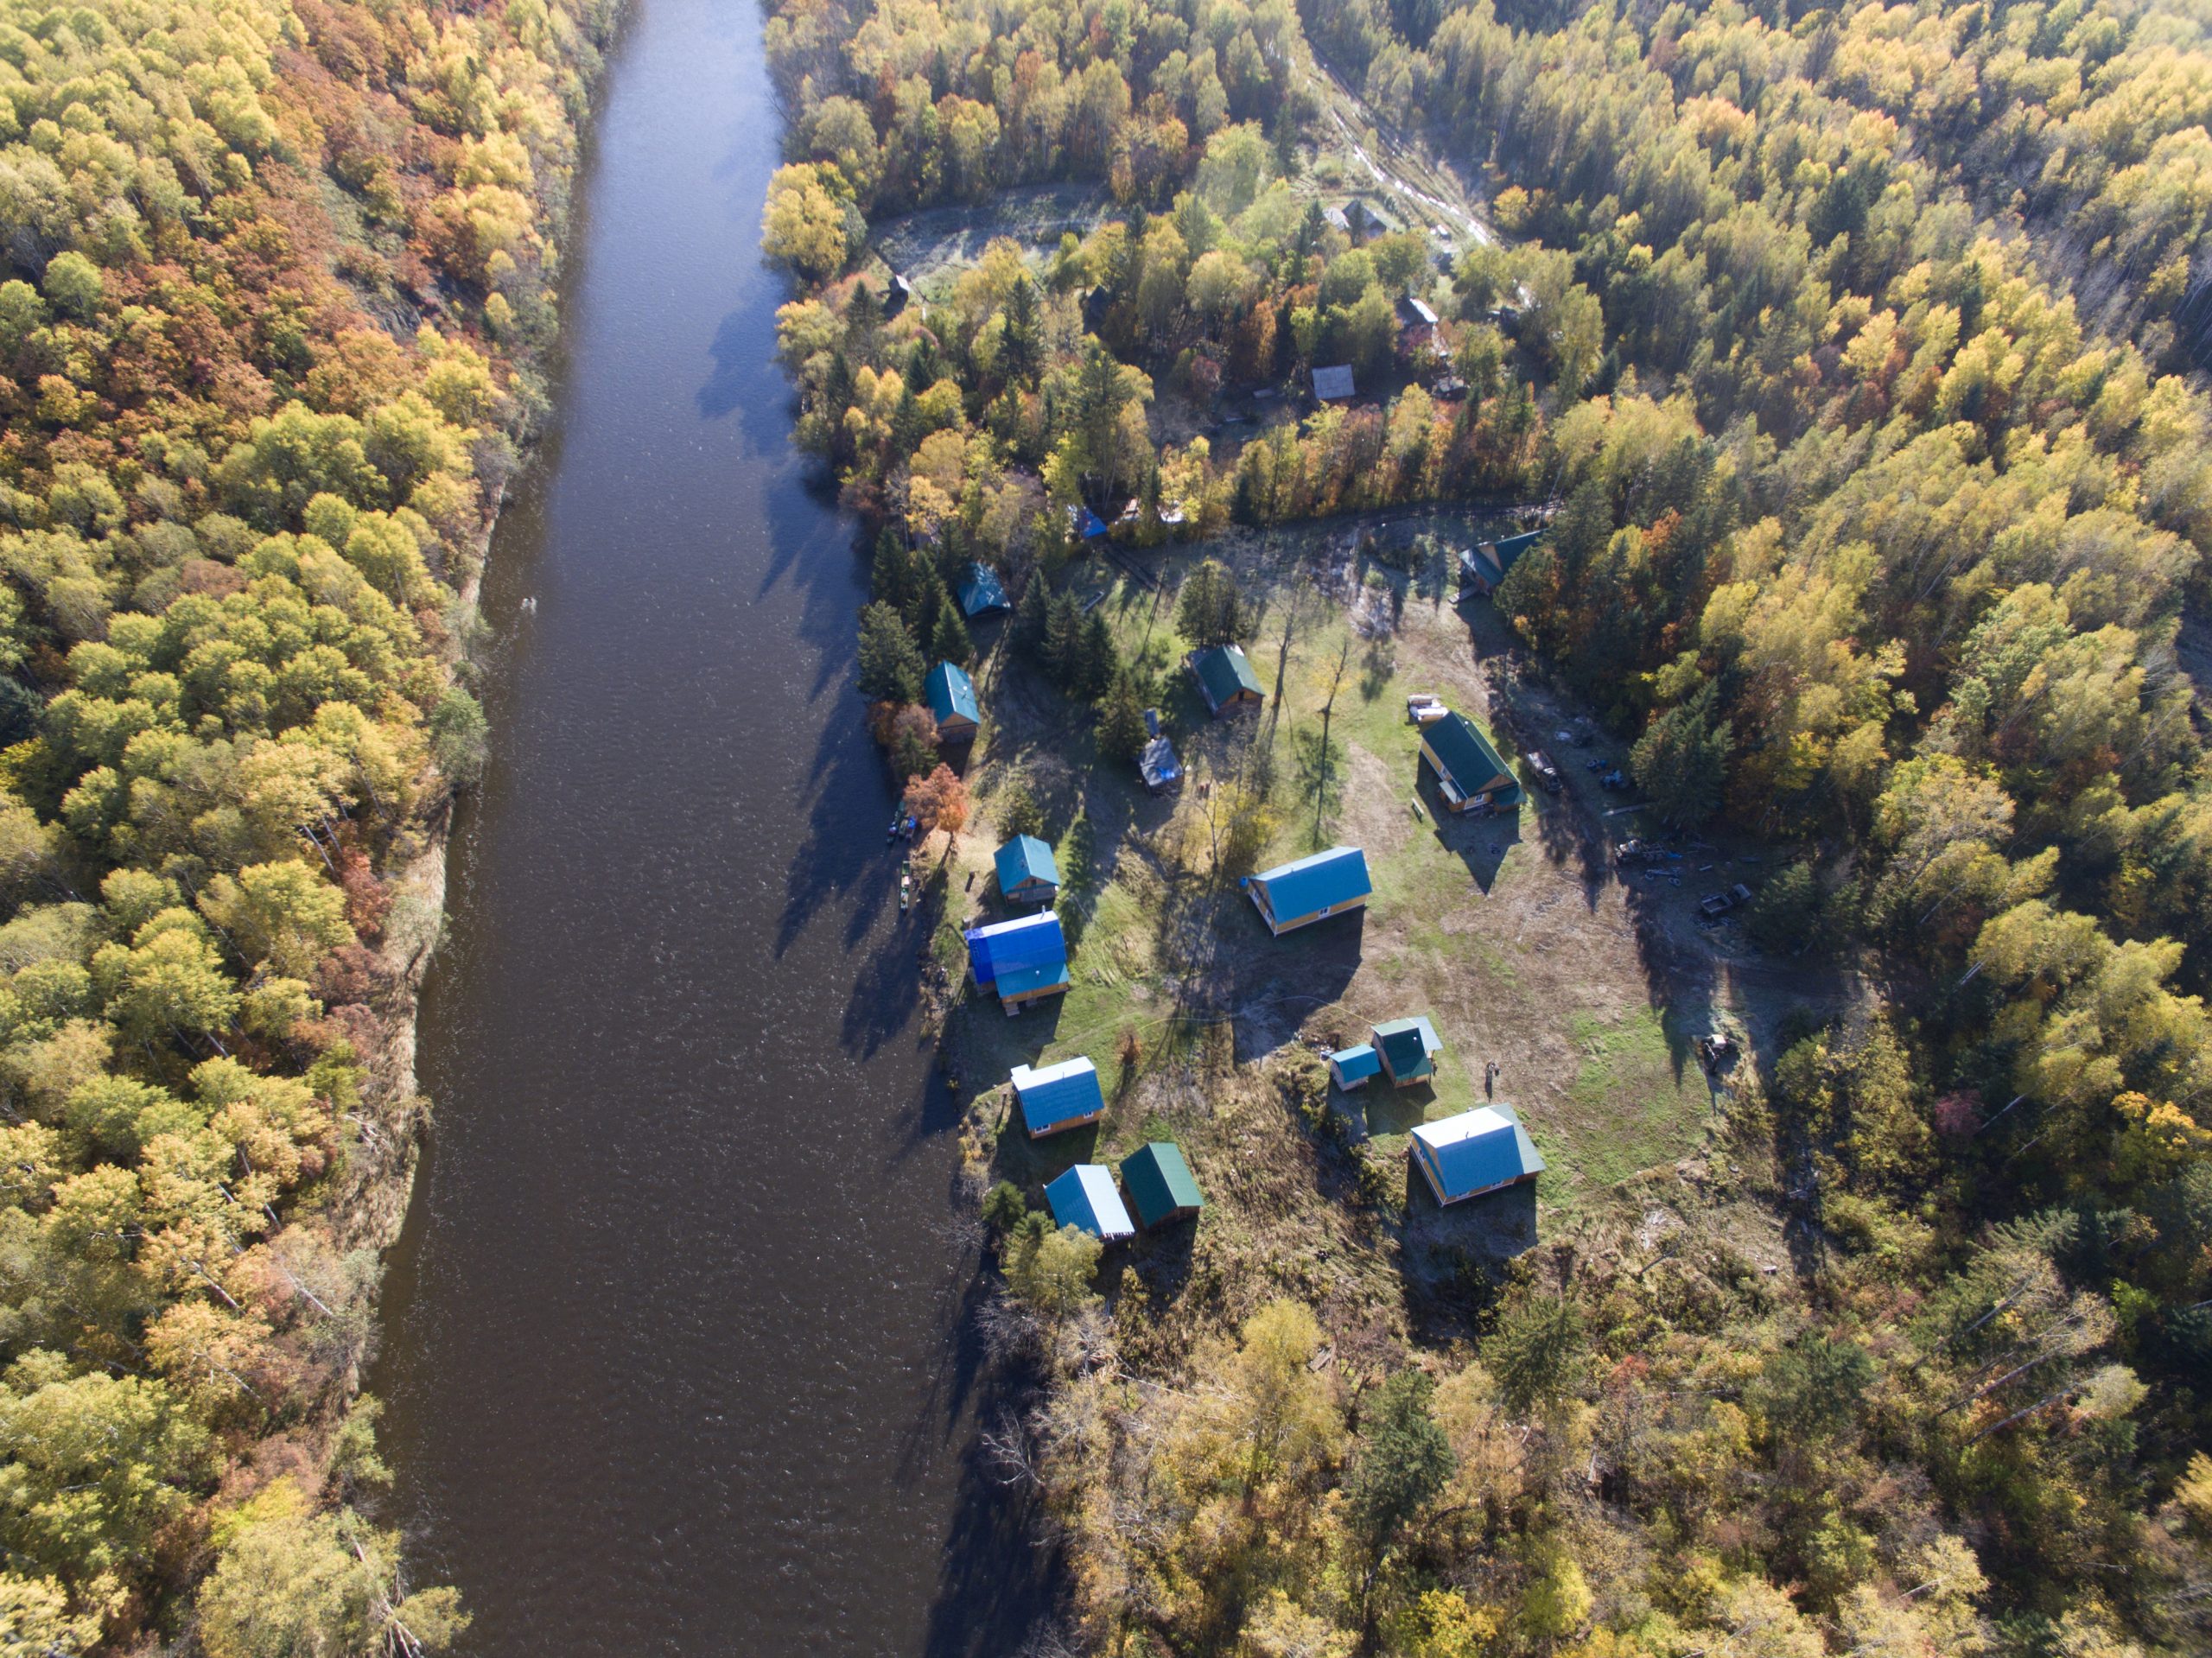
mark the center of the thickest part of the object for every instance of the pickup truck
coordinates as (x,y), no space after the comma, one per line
(1547,773)
(1721,903)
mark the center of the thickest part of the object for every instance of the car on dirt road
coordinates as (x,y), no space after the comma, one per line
(1546,774)
(1721,903)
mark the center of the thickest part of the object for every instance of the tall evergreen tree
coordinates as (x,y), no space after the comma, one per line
(949,639)
(1022,352)
(891,669)
(1121,720)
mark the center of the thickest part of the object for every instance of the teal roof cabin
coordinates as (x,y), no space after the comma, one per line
(1469,772)
(1483,569)
(1158,1185)
(1307,890)
(1483,1150)
(1225,680)
(1351,1068)
(981,592)
(1408,1050)
(1058,1097)
(1027,873)
(1084,1196)
(952,700)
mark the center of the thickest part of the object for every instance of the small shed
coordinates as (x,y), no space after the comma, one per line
(1084,524)
(896,295)
(1407,1049)
(1084,1196)
(1351,1068)
(1469,773)
(1226,679)
(1163,772)
(981,592)
(1311,889)
(1334,383)
(1019,961)
(1055,1098)
(1027,873)
(1416,323)
(1478,1151)
(1158,1183)
(952,700)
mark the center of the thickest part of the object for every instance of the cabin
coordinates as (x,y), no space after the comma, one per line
(896,295)
(1055,1098)
(1162,771)
(1351,1068)
(1469,773)
(981,592)
(1337,219)
(1478,1151)
(1484,566)
(1019,961)
(1226,679)
(1084,524)
(1307,890)
(952,699)
(1333,383)
(1084,1196)
(1408,1050)
(1416,324)
(1367,220)
(1027,873)
(1158,1185)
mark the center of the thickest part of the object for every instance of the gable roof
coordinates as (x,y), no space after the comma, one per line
(980,590)
(1356,1064)
(1414,312)
(1021,945)
(952,694)
(1478,1149)
(1223,671)
(1332,383)
(1408,1043)
(1509,548)
(1158,1182)
(1025,858)
(1084,1196)
(1320,882)
(1465,753)
(1054,1096)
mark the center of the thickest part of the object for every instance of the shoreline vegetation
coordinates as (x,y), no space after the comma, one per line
(1840,358)
(282,276)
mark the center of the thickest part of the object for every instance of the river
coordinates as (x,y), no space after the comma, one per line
(676,1349)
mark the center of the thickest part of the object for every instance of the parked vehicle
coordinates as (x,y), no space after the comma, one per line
(1721,903)
(1613,779)
(1547,773)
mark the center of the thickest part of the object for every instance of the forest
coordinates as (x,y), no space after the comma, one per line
(278,276)
(1858,351)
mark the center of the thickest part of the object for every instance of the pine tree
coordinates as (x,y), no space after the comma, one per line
(891,578)
(1064,641)
(1095,657)
(891,668)
(1121,720)
(1023,351)
(1207,610)
(949,640)
(1033,614)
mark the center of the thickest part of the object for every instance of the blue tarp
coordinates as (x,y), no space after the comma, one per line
(1024,945)
(1085,1197)
(1057,1096)
(980,591)
(1320,882)
(1476,1150)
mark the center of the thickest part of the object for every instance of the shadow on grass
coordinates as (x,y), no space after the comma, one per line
(1479,842)
(1454,1256)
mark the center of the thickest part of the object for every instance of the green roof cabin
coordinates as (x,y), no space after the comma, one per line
(1085,1197)
(1470,775)
(1027,872)
(1351,1068)
(1158,1185)
(1307,889)
(1483,1150)
(1484,566)
(1407,1049)
(1225,680)
(952,700)
(1058,1097)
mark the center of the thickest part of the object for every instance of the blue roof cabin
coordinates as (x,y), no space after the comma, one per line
(1478,1151)
(981,592)
(1225,680)
(1158,1185)
(1469,772)
(1483,569)
(1027,872)
(1351,1068)
(1084,1196)
(1311,889)
(1333,385)
(952,700)
(1056,1097)
(1407,1049)
(1019,961)
(1084,523)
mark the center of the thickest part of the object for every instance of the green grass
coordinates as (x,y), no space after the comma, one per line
(1635,1104)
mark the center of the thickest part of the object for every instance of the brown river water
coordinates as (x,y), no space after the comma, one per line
(677,1348)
